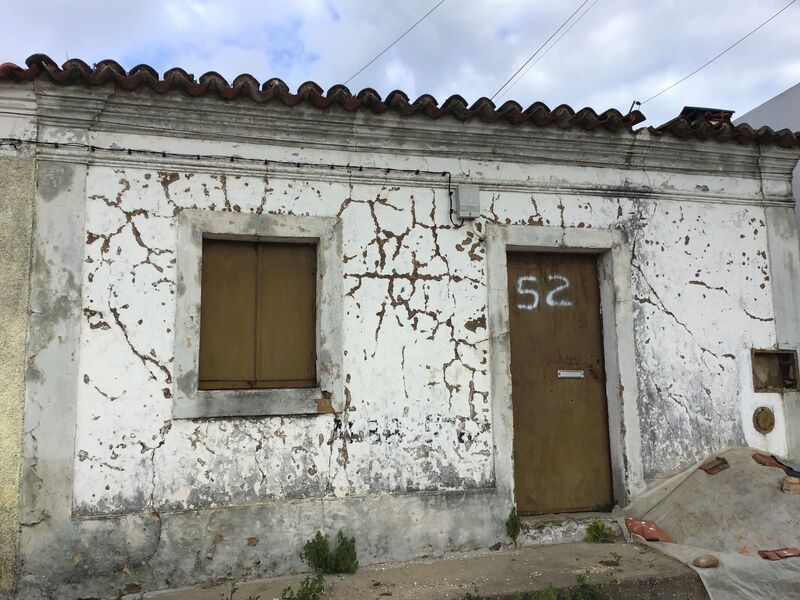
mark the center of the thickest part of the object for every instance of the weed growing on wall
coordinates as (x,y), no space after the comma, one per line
(311,588)
(319,556)
(513,525)
(345,558)
(598,533)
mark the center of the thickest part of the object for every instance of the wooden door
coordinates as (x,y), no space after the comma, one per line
(561,453)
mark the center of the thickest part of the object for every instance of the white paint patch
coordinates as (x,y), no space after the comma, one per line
(774,442)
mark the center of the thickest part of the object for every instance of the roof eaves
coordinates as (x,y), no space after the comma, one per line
(77,72)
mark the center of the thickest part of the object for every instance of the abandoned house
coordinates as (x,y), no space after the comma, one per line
(234,315)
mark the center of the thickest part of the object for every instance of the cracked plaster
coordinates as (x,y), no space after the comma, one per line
(414,320)
(411,298)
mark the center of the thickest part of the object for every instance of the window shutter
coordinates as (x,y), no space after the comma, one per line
(228,315)
(286,316)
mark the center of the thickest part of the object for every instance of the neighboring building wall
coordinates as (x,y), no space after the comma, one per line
(17,190)
(120,496)
(780,112)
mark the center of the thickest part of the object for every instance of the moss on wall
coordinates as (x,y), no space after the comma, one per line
(16,214)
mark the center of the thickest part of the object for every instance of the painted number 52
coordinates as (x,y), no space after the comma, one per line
(527,289)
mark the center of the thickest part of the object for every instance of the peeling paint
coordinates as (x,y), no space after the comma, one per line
(414,296)
(407,284)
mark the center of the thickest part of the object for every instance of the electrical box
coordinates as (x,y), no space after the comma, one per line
(774,370)
(467,201)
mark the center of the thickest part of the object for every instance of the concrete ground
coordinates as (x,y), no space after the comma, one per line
(625,571)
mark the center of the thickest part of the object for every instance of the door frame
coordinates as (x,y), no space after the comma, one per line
(614,275)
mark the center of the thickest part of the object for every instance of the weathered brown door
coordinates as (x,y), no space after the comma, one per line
(561,453)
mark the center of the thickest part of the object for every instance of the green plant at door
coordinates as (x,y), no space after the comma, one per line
(513,525)
(598,533)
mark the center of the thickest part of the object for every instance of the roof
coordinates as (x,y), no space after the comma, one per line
(713,114)
(77,72)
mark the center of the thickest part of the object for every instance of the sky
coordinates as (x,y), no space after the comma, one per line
(620,51)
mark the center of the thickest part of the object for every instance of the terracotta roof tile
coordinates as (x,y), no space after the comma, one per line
(77,72)
(705,128)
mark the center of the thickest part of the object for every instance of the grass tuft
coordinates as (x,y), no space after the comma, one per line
(311,588)
(319,556)
(598,533)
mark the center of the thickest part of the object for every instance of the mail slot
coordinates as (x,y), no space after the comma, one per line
(567,374)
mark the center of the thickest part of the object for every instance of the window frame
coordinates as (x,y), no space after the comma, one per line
(189,402)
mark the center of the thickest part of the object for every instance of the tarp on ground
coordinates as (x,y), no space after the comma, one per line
(732,515)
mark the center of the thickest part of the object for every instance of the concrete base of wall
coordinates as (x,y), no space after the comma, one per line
(545,530)
(117,556)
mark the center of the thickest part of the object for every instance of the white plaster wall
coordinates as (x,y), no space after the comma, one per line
(417,407)
(701,298)
(414,336)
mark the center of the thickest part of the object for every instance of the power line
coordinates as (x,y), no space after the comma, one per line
(539,49)
(385,50)
(731,47)
(543,54)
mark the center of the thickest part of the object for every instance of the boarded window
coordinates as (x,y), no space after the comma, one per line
(258,315)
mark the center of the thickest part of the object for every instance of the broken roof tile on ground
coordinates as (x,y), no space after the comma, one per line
(647,530)
(715,465)
(77,72)
(779,554)
(770,460)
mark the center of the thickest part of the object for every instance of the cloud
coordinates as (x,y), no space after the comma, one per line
(622,50)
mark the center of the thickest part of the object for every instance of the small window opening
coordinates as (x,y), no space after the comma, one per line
(774,370)
(258,315)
